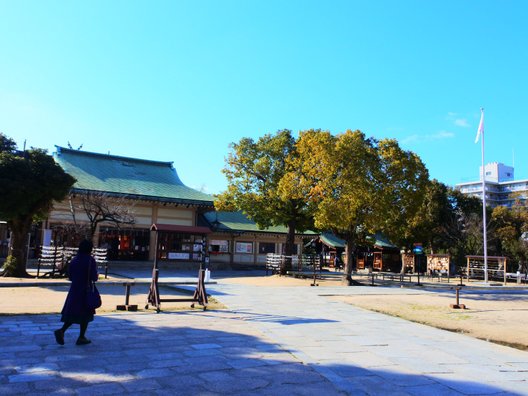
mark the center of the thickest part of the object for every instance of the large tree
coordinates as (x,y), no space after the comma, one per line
(450,222)
(254,171)
(30,181)
(359,186)
(404,181)
(512,232)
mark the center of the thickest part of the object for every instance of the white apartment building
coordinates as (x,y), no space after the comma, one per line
(501,188)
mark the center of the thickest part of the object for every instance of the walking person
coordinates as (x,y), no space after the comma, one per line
(82,271)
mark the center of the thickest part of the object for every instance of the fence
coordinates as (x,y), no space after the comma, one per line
(299,263)
(496,267)
(57,259)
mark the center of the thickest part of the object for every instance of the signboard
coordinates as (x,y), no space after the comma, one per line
(178,256)
(244,247)
(417,248)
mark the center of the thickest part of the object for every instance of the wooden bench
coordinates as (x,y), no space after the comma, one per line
(392,277)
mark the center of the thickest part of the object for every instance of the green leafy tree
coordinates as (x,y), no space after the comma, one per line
(463,229)
(29,183)
(7,145)
(450,222)
(511,229)
(404,182)
(254,171)
(428,223)
(359,186)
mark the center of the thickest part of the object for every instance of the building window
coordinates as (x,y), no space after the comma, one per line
(125,244)
(219,246)
(266,247)
(244,247)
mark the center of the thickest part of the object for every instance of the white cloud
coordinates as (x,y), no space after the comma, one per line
(457,120)
(442,135)
(428,138)
(462,122)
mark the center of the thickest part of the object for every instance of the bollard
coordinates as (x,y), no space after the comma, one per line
(418,284)
(314,273)
(457,305)
(127,306)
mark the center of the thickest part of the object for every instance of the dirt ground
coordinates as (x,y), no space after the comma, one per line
(497,317)
(499,320)
(50,299)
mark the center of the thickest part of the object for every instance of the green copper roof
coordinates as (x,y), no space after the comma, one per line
(143,179)
(238,222)
(381,241)
(378,240)
(331,240)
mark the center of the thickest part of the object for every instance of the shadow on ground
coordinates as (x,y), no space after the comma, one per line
(187,353)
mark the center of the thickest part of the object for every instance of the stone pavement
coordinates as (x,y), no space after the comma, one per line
(363,352)
(270,341)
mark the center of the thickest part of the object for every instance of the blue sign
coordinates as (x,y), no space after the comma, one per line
(418,250)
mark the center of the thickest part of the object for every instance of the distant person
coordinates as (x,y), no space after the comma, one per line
(82,271)
(338,264)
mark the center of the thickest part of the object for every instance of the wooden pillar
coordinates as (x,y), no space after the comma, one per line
(152,239)
(255,250)
(232,251)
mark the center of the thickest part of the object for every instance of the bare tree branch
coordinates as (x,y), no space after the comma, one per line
(100,207)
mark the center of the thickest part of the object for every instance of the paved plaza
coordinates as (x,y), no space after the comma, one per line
(269,341)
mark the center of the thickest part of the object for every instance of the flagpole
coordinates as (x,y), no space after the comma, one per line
(484,222)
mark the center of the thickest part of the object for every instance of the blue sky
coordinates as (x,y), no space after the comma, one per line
(180,80)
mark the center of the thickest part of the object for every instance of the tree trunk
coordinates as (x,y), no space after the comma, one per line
(347,275)
(289,248)
(19,235)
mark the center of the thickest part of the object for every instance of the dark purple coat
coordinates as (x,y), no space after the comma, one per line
(75,309)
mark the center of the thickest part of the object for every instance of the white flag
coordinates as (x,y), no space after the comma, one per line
(481,126)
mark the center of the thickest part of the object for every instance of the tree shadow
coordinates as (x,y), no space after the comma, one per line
(488,295)
(249,316)
(190,353)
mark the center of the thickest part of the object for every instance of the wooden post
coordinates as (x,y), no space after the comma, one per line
(457,305)
(314,273)
(467,272)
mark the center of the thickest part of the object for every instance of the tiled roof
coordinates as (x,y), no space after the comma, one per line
(378,240)
(331,240)
(142,179)
(238,222)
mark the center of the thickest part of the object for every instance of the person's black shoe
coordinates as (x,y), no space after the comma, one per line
(82,341)
(59,336)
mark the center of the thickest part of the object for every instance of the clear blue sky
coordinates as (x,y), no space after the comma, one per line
(180,80)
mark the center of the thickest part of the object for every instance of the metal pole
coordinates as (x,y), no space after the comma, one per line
(484,209)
